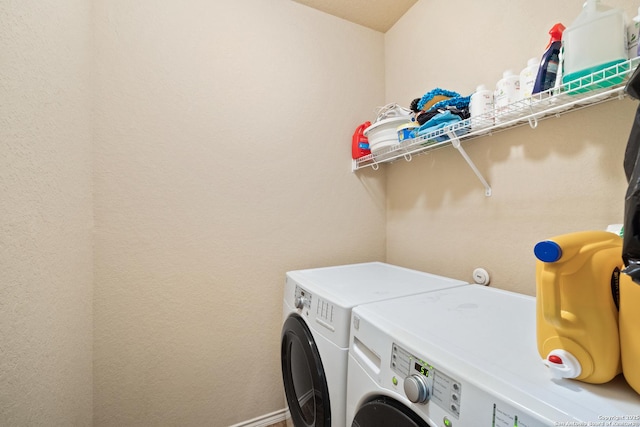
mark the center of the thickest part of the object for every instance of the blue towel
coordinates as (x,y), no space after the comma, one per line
(439,121)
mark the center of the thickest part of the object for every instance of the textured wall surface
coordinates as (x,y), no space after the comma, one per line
(564,176)
(222,161)
(45,214)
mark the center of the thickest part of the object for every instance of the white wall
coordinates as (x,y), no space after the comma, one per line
(222,161)
(564,176)
(45,214)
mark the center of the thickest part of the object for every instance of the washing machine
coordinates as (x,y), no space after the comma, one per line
(315,333)
(466,357)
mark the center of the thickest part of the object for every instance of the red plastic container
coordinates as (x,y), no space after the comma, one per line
(360,143)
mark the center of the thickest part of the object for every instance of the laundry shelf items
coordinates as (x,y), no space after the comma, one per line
(602,86)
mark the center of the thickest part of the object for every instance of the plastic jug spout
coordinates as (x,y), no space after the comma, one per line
(591,6)
(563,364)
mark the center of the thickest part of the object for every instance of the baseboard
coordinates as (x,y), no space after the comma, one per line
(265,420)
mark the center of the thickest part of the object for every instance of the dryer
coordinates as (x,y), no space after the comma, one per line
(315,333)
(466,357)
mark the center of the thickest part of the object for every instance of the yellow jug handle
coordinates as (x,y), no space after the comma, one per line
(550,298)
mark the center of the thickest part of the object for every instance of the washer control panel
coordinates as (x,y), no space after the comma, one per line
(424,383)
(302,299)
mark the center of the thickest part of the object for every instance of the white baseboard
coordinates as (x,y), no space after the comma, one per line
(265,420)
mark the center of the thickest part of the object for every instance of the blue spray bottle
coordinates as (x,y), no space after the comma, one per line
(550,63)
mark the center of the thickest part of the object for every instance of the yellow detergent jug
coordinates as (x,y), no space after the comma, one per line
(576,313)
(630,330)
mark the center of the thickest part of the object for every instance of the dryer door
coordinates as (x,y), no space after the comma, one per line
(385,412)
(305,383)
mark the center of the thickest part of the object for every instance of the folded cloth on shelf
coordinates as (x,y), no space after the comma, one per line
(438,122)
(424,116)
(460,102)
(437,100)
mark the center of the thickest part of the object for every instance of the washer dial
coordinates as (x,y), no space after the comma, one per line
(417,389)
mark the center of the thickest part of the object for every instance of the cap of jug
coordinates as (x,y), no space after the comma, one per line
(563,364)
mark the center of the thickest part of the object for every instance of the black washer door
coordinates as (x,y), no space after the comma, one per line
(386,412)
(305,383)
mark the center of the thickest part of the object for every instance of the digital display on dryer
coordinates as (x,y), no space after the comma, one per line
(421,369)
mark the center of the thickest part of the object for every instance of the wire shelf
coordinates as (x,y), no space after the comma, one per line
(602,86)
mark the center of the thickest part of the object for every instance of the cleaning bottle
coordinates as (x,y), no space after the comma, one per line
(505,96)
(595,41)
(629,326)
(481,108)
(576,313)
(550,62)
(528,78)
(359,142)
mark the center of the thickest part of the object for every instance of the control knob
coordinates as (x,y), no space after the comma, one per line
(417,389)
(299,302)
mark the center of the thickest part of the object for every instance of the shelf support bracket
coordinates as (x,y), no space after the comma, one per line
(533,119)
(455,141)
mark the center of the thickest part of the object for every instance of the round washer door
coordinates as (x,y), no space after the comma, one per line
(305,383)
(385,412)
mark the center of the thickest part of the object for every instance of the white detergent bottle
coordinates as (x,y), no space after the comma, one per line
(595,41)
(528,79)
(633,32)
(506,94)
(481,108)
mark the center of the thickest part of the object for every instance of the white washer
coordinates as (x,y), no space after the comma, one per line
(466,357)
(315,334)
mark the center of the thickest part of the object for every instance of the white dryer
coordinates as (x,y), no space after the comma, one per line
(315,334)
(466,357)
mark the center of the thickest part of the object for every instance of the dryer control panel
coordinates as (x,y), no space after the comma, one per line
(302,299)
(314,308)
(424,383)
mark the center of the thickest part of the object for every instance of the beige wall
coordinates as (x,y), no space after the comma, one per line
(564,176)
(222,161)
(45,214)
